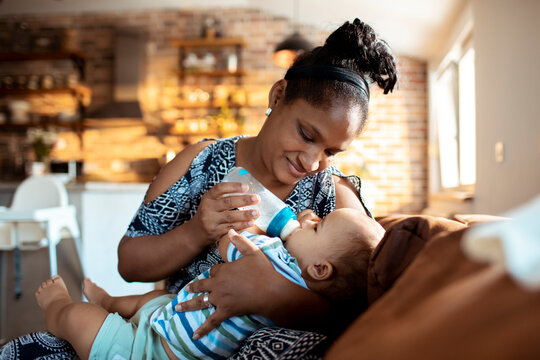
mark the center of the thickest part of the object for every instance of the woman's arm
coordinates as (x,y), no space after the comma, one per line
(155,257)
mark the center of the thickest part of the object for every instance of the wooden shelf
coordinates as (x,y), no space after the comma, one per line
(113,123)
(209,42)
(189,106)
(204,76)
(78,58)
(25,126)
(81,93)
(79,90)
(49,55)
(194,133)
(211,73)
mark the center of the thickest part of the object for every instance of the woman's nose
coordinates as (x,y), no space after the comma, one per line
(310,161)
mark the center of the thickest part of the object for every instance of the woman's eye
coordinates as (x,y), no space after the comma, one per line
(304,135)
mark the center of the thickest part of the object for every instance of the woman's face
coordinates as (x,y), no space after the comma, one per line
(301,140)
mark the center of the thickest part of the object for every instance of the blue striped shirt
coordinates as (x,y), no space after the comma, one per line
(177,328)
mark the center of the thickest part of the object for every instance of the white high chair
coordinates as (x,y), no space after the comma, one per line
(39,216)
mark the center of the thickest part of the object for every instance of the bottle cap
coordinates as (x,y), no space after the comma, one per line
(279,221)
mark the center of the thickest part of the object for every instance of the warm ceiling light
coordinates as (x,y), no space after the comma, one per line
(287,50)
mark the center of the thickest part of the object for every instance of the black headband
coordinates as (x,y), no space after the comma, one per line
(329,73)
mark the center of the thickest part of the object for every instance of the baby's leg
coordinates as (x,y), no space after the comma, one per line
(76,322)
(125,306)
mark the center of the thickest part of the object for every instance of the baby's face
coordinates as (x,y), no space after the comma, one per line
(316,238)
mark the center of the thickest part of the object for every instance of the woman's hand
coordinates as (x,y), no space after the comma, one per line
(215,215)
(251,285)
(234,288)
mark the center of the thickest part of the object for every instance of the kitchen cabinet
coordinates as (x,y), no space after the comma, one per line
(15,88)
(76,57)
(104,211)
(221,57)
(211,93)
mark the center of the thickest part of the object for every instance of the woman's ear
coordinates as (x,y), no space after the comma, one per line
(277,93)
(320,271)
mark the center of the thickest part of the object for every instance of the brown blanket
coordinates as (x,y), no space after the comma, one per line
(431,302)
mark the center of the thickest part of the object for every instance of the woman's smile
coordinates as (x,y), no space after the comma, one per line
(296,170)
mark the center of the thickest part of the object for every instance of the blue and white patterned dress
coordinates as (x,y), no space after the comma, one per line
(180,202)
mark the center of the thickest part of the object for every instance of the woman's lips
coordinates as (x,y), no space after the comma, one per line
(295,170)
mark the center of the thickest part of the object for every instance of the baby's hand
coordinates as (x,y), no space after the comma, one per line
(307,214)
(241,242)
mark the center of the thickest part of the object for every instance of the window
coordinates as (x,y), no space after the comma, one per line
(455,119)
(467,119)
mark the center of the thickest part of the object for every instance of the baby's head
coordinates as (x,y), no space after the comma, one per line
(334,252)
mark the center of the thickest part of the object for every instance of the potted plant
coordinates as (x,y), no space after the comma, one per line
(42,142)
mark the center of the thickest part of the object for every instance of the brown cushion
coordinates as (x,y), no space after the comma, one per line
(405,236)
(445,306)
(473,219)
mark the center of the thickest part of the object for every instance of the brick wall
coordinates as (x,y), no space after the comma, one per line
(393,147)
(390,156)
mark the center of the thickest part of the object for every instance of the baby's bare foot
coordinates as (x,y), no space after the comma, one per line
(94,293)
(50,291)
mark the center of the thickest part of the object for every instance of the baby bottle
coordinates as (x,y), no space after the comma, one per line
(276,218)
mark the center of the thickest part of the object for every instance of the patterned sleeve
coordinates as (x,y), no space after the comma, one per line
(180,202)
(167,211)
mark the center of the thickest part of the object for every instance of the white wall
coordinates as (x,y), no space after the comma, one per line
(507,57)
(506,34)
(423,20)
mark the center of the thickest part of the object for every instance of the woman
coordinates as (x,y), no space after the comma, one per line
(314,113)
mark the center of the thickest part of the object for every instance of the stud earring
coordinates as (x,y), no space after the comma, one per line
(268,112)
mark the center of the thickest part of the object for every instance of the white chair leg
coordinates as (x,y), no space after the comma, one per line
(52,258)
(53,241)
(77,242)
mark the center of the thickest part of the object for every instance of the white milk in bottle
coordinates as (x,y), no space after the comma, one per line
(276,218)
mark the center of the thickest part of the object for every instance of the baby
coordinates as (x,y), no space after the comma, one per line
(329,256)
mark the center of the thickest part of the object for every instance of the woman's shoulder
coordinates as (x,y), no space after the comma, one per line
(192,159)
(217,149)
(174,170)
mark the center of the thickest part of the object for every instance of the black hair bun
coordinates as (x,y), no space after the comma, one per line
(356,46)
